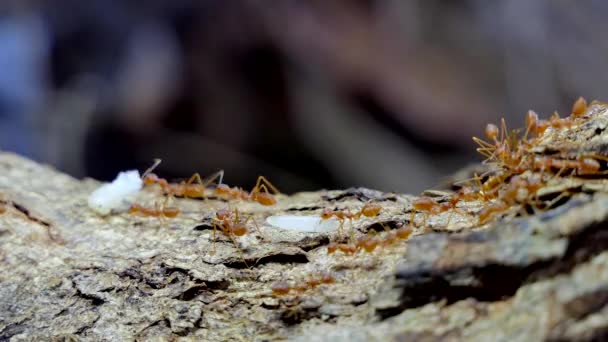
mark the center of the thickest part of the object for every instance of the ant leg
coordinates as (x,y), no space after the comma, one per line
(241,254)
(236,215)
(412,217)
(385,226)
(214,237)
(219,175)
(255,224)
(159,211)
(195,177)
(447,224)
(556,200)
(340,227)
(262,181)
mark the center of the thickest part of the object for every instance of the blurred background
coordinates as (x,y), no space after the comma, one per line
(312,94)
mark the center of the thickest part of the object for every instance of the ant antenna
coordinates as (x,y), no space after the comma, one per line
(157,161)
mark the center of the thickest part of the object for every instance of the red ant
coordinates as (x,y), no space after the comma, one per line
(368,210)
(188,189)
(283,288)
(160,212)
(400,234)
(583,165)
(230,225)
(431,207)
(369,244)
(260,193)
(169,212)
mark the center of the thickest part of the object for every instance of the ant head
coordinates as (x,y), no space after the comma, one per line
(326,213)
(492,132)
(588,166)
(222,214)
(579,107)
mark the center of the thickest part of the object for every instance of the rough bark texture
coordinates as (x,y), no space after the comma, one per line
(67,273)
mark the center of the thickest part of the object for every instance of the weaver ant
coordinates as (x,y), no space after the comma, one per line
(283,288)
(430,207)
(369,244)
(260,193)
(518,191)
(161,212)
(195,187)
(229,223)
(169,212)
(369,209)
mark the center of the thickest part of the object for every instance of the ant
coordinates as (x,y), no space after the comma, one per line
(400,234)
(188,189)
(519,190)
(369,209)
(283,288)
(161,212)
(369,244)
(231,225)
(169,212)
(579,107)
(260,193)
(345,248)
(431,207)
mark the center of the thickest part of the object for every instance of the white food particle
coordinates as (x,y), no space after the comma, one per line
(113,196)
(303,223)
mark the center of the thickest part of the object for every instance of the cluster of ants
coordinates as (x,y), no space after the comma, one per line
(517,172)
(233,224)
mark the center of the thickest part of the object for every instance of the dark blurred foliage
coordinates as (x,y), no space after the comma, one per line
(311,94)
